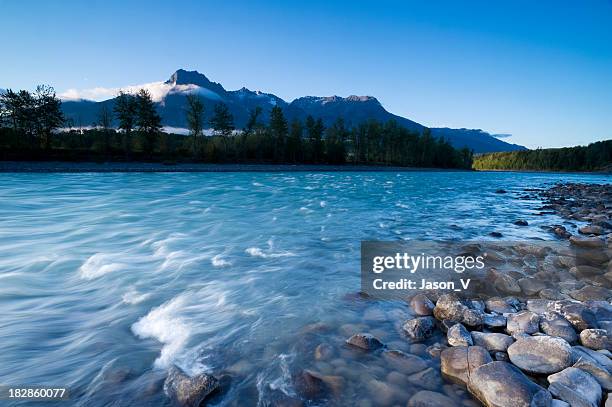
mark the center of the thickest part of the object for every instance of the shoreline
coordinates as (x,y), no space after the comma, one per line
(86,167)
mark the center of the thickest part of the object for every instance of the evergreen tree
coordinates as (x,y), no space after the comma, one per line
(195,119)
(148,120)
(278,129)
(222,121)
(125,111)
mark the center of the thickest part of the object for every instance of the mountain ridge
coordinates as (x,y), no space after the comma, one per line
(354,109)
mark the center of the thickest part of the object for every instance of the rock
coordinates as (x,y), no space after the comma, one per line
(280,399)
(365,341)
(428,379)
(496,234)
(422,305)
(555,324)
(404,362)
(576,387)
(559,403)
(596,339)
(309,385)
(584,270)
(591,230)
(500,191)
(599,372)
(435,349)
(426,398)
(551,294)
(589,292)
(541,354)
(419,329)
(530,285)
(587,242)
(499,384)
(503,356)
(457,335)
(189,391)
(561,232)
(579,315)
(458,363)
(506,284)
(323,352)
(472,317)
(499,305)
(382,393)
(493,342)
(523,322)
(494,321)
(539,306)
(449,307)
(521,222)
(582,353)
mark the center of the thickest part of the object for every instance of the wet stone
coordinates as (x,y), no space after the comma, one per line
(189,391)
(365,341)
(425,398)
(499,306)
(494,321)
(422,305)
(580,316)
(404,362)
(419,329)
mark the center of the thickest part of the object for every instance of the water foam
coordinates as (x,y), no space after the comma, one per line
(98,265)
(165,324)
(133,297)
(219,261)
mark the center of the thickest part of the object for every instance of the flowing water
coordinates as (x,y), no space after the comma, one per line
(106,280)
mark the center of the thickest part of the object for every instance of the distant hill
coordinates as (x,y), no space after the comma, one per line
(594,157)
(170,98)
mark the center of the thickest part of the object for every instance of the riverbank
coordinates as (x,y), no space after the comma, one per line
(83,167)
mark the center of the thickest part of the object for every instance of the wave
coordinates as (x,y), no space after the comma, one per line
(98,265)
(133,297)
(165,324)
(219,261)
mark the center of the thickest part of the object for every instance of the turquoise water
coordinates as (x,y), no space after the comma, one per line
(106,280)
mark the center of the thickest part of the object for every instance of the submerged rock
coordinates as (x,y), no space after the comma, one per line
(189,391)
(596,339)
(310,385)
(365,341)
(499,384)
(576,387)
(591,230)
(426,398)
(419,329)
(521,222)
(405,362)
(541,354)
(458,363)
(587,242)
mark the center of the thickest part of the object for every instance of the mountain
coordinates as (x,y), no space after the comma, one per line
(170,99)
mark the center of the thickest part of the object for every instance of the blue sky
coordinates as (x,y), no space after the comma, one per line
(539,70)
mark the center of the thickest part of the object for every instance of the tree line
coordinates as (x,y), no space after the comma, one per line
(595,156)
(131,129)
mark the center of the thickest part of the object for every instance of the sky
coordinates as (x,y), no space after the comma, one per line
(539,71)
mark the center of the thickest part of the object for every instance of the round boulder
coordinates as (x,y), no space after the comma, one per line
(458,363)
(365,341)
(499,384)
(596,339)
(541,354)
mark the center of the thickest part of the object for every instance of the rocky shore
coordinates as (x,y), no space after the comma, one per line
(538,334)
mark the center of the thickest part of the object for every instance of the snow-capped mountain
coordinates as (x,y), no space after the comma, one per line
(170,98)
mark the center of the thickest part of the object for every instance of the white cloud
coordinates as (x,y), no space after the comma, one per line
(158,91)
